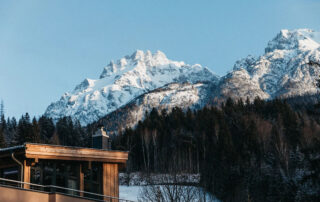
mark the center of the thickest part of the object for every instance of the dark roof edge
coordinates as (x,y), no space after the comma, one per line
(12,148)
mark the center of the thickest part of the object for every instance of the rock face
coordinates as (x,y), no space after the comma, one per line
(183,95)
(123,81)
(288,67)
(135,84)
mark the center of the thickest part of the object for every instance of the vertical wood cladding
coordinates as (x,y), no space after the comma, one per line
(110,180)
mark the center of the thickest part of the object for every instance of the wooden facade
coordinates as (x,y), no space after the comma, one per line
(85,169)
(110,179)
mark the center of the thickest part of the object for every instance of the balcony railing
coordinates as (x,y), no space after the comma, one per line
(52,189)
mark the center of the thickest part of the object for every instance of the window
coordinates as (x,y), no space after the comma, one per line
(93,178)
(12,173)
(59,173)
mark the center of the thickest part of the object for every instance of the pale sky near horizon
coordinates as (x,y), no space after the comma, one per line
(48,47)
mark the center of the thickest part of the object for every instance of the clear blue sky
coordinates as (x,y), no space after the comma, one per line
(47,47)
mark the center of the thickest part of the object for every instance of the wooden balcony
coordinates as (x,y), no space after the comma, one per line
(15,191)
(84,169)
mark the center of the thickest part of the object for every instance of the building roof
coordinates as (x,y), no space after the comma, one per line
(57,152)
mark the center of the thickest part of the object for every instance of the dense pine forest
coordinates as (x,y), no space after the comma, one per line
(42,130)
(260,151)
(244,151)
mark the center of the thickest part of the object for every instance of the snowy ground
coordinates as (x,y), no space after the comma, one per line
(131,185)
(132,193)
(129,192)
(138,178)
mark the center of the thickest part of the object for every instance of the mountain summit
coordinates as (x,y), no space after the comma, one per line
(288,67)
(126,89)
(300,39)
(122,81)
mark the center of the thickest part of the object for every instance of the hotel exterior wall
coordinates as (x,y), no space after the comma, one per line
(18,195)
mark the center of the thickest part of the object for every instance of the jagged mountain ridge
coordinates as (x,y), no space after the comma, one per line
(124,81)
(137,83)
(288,67)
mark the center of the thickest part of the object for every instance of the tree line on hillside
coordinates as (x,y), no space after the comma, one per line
(259,151)
(244,151)
(43,130)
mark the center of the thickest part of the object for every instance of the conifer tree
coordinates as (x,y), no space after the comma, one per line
(2,140)
(2,112)
(24,130)
(47,128)
(12,131)
(35,131)
(3,123)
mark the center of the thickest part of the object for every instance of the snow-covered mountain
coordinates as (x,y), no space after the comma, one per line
(137,83)
(183,95)
(124,81)
(288,67)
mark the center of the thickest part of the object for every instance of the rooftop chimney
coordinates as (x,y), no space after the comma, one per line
(100,140)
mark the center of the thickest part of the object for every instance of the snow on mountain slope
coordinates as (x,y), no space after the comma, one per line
(183,95)
(123,81)
(288,67)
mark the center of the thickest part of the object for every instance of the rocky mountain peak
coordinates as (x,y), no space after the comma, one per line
(124,80)
(286,68)
(299,39)
(289,67)
(140,59)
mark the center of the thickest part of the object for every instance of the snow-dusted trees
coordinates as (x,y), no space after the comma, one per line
(170,188)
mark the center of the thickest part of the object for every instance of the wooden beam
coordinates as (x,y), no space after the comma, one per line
(55,152)
(110,182)
(74,153)
(116,173)
(74,158)
(81,179)
(26,174)
(34,161)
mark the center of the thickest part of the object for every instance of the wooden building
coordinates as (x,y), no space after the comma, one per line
(84,169)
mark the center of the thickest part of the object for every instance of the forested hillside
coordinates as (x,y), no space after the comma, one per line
(260,151)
